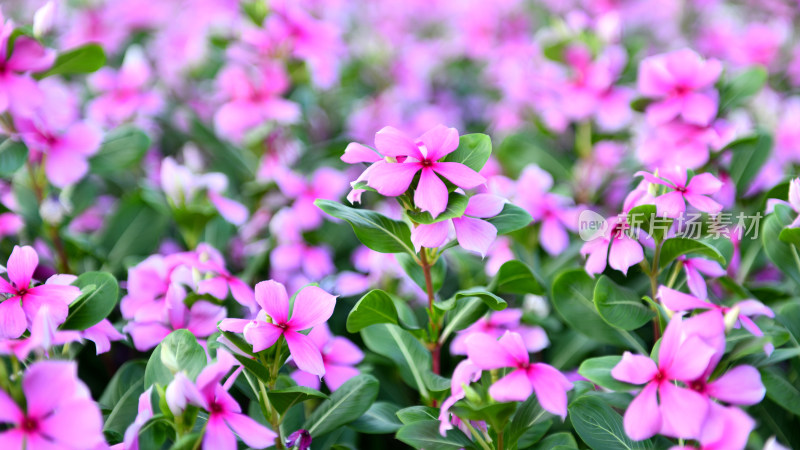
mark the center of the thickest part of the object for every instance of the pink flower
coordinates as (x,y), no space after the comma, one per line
(339,355)
(393,179)
(695,268)
(727,428)
(465,373)
(102,334)
(661,406)
(744,310)
(553,211)
(683,83)
(312,307)
(224,414)
(615,245)
(496,324)
(60,412)
(143,415)
(18,311)
(18,90)
(550,385)
(472,233)
(696,192)
(326,183)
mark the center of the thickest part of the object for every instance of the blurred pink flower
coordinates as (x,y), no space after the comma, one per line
(696,192)
(615,246)
(18,91)
(496,324)
(339,355)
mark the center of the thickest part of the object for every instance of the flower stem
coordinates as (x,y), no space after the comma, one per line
(435,346)
(654,289)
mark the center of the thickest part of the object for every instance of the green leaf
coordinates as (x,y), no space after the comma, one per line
(13,155)
(789,316)
(254,367)
(619,306)
(84,59)
(558,441)
(235,163)
(179,351)
(748,156)
(572,294)
(123,149)
(417,414)
(495,414)
(640,104)
(425,434)
(677,246)
(189,441)
(645,218)
(283,399)
(380,418)
(94,306)
(780,390)
(514,277)
(511,218)
(786,257)
(376,306)
(456,205)
(600,426)
(345,405)
(414,271)
(598,371)
(397,344)
(742,87)
(463,315)
(374,230)
(135,229)
(126,376)
(529,414)
(125,409)
(491,300)
(790,236)
(473,151)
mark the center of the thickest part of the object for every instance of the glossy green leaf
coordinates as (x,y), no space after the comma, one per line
(380,418)
(87,58)
(672,248)
(600,426)
(780,390)
(417,413)
(123,149)
(741,87)
(786,257)
(13,155)
(514,277)
(94,306)
(374,230)
(179,351)
(397,344)
(748,155)
(456,205)
(414,271)
(425,434)
(619,306)
(598,371)
(645,218)
(511,218)
(377,306)
(283,399)
(345,405)
(473,151)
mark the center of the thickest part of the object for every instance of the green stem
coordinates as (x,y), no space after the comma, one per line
(435,346)
(583,139)
(654,289)
(674,276)
(478,438)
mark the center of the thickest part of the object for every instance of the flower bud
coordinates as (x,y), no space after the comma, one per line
(43,19)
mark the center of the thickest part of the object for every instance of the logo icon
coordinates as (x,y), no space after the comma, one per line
(591,225)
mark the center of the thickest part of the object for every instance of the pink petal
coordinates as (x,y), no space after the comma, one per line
(392,179)
(21,264)
(342,351)
(484,206)
(146,335)
(12,439)
(515,346)
(64,168)
(77,422)
(699,109)
(624,252)
(218,436)
(535,338)
(696,283)
(234,325)
(242,293)
(642,419)
(475,235)
(691,360)
(654,78)
(551,388)
(304,353)
(486,353)
(702,203)
(661,112)
(634,369)
(439,142)
(683,411)
(12,319)
(459,174)
(356,153)
(230,210)
(48,384)
(431,235)
(597,250)
(704,183)
(30,56)
(251,432)
(754,308)
(336,375)
(9,410)
(306,379)
(392,142)
(739,386)
(312,306)
(670,204)
(678,301)
(431,193)
(271,295)
(204,317)
(553,236)
(709,268)
(727,428)
(81,138)
(650,178)
(216,287)
(513,387)
(262,335)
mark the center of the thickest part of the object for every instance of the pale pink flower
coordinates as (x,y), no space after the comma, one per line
(696,191)
(339,356)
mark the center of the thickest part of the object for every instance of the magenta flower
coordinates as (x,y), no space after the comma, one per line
(744,310)
(20,308)
(18,90)
(465,373)
(422,155)
(60,412)
(615,245)
(224,414)
(661,406)
(102,334)
(550,385)
(312,307)
(696,192)
(556,213)
(300,439)
(683,84)
(695,269)
(726,428)
(497,324)
(472,233)
(143,415)
(325,183)
(339,355)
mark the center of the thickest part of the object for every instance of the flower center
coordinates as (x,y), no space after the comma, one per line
(426,162)
(215,408)
(29,425)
